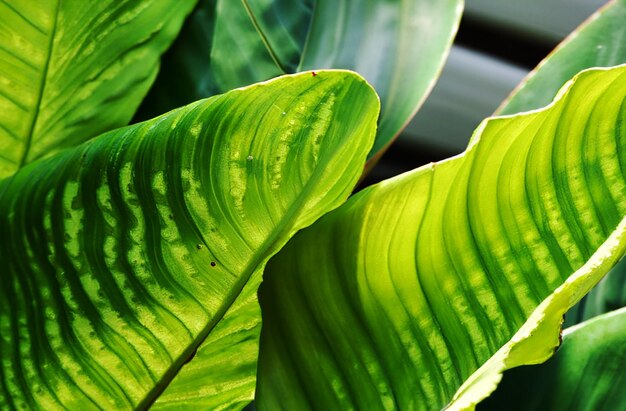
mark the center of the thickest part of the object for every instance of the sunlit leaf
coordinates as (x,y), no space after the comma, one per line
(70,70)
(420,291)
(123,255)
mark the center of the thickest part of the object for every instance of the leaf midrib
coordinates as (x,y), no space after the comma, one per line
(263,254)
(42,86)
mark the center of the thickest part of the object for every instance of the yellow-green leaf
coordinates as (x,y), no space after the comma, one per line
(72,69)
(420,291)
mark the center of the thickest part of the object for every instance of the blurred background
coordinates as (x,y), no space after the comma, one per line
(498,43)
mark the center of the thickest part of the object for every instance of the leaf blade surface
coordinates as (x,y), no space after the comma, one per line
(420,291)
(124,254)
(399,47)
(72,70)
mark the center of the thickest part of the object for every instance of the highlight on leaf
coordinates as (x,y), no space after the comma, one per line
(124,256)
(70,70)
(420,291)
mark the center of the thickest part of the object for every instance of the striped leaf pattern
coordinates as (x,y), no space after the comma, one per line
(121,256)
(420,291)
(72,69)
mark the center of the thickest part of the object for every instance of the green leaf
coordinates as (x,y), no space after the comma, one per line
(420,291)
(585,374)
(122,255)
(399,46)
(608,295)
(598,42)
(70,70)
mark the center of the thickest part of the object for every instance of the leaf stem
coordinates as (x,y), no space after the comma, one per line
(267,44)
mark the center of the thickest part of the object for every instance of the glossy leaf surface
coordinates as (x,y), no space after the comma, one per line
(122,255)
(586,373)
(420,291)
(399,46)
(70,70)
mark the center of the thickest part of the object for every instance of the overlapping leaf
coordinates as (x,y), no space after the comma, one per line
(121,256)
(586,373)
(70,70)
(419,292)
(608,295)
(399,46)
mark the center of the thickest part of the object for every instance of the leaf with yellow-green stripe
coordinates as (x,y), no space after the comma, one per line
(123,256)
(73,69)
(420,291)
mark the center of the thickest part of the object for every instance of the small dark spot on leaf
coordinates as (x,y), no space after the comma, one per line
(171,216)
(213,264)
(199,246)
(314,73)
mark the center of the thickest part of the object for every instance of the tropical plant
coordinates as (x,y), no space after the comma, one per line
(133,255)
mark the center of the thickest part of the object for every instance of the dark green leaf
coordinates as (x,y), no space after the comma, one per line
(608,295)
(599,42)
(587,372)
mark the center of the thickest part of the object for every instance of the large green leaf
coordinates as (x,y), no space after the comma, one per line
(122,255)
(399,46)
(420,291)
(70,70)
(587,373)
(598,42)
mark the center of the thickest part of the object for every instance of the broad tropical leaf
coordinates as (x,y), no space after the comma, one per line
(70,70)
(399,46)
(122,255)
(420,291)
(598,42)
(587,372)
